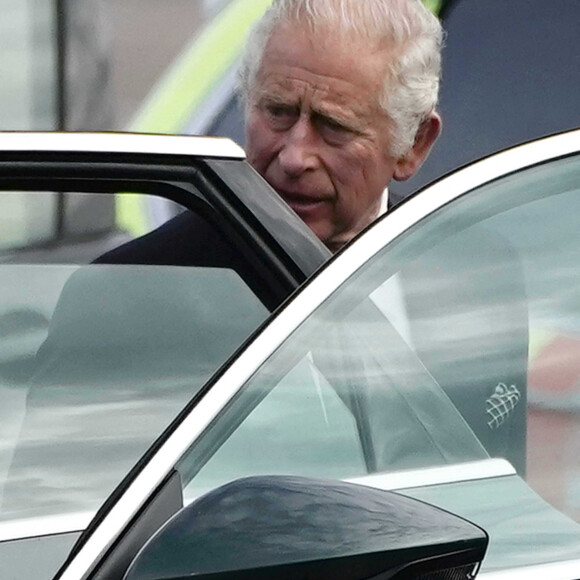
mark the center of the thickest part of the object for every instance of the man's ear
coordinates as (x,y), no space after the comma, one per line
(428,132)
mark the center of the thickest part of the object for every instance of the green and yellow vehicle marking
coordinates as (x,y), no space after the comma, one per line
(185,87)
(199,69)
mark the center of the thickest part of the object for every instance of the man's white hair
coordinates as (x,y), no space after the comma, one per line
(407,27)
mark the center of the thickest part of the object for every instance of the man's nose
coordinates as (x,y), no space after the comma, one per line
(299,149)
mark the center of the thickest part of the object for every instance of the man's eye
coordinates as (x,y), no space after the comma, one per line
(334,125)
(334,132)
(281,115)
(277,111)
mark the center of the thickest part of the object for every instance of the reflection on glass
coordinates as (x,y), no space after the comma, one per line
(27,219)
(458,342)
(96,359)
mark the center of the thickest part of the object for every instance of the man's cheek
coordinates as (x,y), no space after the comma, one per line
(260,148)
(254,133)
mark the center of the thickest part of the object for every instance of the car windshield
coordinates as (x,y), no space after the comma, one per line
(97,358)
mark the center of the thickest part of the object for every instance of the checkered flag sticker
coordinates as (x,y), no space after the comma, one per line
(501,404)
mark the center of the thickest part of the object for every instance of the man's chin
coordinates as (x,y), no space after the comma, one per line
(326,235)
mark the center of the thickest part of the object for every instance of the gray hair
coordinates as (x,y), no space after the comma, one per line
(412,83)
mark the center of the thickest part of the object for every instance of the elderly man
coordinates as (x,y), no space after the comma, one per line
(340,98)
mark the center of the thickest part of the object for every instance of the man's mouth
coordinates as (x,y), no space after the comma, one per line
(304,205)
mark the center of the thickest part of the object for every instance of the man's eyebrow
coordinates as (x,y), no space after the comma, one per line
(330,116)
(349,123)
(268,97)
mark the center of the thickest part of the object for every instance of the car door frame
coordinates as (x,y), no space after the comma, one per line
(284,250)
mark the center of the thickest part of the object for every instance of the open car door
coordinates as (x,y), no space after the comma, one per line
(128,316)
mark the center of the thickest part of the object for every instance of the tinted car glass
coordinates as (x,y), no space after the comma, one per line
(457,343)
(26,220)
(96,359)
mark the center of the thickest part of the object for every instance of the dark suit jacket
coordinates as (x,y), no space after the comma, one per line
(189,240)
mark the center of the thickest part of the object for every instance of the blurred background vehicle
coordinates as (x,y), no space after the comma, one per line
(510,75)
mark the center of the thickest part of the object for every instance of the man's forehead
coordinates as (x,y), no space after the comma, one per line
(320,98)
(295,60)
(334,35)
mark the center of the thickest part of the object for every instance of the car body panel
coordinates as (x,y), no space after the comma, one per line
(109,143)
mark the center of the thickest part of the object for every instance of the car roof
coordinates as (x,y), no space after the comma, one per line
(207,147)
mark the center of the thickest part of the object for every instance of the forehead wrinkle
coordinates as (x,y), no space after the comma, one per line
(288,76)
(322,98)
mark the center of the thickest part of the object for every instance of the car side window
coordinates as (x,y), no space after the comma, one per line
(345,397)
(301,424)
(458,342)
(102,344)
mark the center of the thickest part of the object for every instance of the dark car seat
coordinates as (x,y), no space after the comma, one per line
(468,318)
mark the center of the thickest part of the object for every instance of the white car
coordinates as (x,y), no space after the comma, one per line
(435,356)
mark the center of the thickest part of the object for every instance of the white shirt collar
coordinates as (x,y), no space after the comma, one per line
(384,203)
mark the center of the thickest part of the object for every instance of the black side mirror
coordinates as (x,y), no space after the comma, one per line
(292,528)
